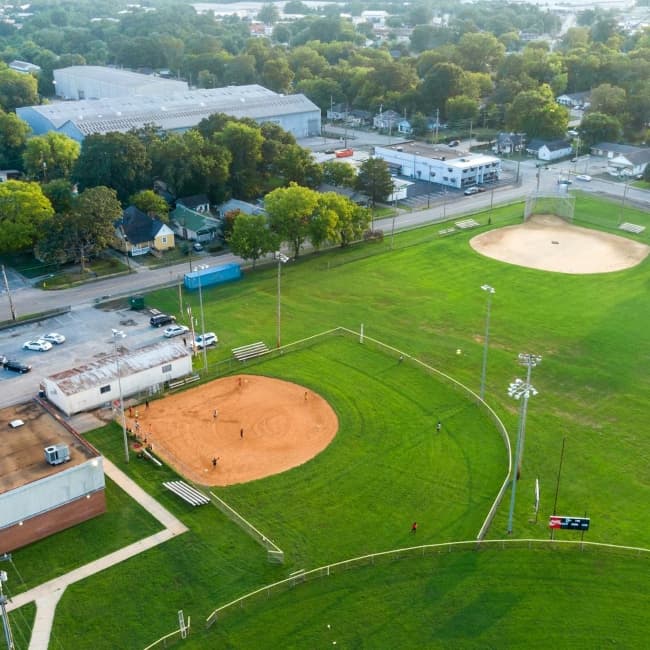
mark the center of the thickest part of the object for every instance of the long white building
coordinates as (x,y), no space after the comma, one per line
(175,112)
(440,164)
(100,82)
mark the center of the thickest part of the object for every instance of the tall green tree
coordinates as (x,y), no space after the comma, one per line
(13,139)
(84,231)
(537,114)
(290,210)
(338,174)
(117,160)
(152,204)
(374,179)
(24,210)
(50,156)
(599,127)
(16,89)
(251,237)
(245,145)
(61,194)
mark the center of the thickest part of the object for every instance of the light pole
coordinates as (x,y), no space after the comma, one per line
(201,267)
(523,390)
(119,334)
(281,259)
(490,292)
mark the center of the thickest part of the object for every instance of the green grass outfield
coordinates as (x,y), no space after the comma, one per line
(359,495)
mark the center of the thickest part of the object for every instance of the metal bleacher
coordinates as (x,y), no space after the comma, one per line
(249,351)
(632,227)
(187,493)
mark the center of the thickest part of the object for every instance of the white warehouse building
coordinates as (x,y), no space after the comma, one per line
(174,112)
(99,82)
(144,370)
(440,164)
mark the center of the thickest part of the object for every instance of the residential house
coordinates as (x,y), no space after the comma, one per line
(612,149)
(138,234)
(242,206)
(404,126)
(24,67)
(574,100)
(387,120)
(549,150)
(337,112)
(357,117)
(193,225)
(629,165)
(198,203)
(508,143)
(356,197)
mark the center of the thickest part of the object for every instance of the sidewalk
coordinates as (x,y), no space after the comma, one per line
(47,595)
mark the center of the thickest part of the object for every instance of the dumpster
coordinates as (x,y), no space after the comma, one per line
(136,302)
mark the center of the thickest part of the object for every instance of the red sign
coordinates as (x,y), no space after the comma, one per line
(555,522)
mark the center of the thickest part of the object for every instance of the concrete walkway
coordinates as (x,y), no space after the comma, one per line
(48,594)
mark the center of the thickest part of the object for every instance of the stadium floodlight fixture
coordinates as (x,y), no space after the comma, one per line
(490,292)
(520,390)
(281,259)
(119,334)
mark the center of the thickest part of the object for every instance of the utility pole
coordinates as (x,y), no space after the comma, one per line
(469,148)
(11,302)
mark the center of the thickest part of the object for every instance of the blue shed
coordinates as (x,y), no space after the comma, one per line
(212,275)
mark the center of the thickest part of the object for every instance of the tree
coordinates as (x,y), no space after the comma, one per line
(599,127)
(296,164)
(245,145)
(290,209)
(16,89)
(250,237)
(608,99)
(24,210)
(462,107)
(374,179)
(85,230)
(13,138)
(152,204)
(61,194)
(117,160)
(337,220)
(268,14)
(338,174)
(536,113)
(50,156)
(480,52)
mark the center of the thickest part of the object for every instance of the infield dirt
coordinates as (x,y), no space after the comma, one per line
(254,426)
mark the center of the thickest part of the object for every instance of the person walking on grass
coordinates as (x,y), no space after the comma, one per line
(438,426)
(414,527)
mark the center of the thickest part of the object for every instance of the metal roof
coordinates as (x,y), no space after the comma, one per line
(116,76)
(173,111)
(102,371)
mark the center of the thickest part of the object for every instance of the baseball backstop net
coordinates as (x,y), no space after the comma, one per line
(561,205)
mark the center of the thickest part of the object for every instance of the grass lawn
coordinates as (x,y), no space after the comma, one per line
(457,600)
(387,467)
(21,621)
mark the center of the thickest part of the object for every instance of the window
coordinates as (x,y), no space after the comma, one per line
(167,368)
(105,389)
(164,239)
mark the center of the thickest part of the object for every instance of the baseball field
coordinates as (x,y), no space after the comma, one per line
(385,465)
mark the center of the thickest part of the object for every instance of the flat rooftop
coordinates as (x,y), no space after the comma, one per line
(441,152)
(22,459)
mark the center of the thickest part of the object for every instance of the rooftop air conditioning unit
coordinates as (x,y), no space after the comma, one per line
(57,454)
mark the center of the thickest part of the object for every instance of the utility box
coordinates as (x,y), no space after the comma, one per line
(136,302)
(57,454)
(212,275)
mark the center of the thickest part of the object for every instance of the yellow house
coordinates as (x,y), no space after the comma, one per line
(138,234)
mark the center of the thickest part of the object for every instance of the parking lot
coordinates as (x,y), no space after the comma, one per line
(89,336)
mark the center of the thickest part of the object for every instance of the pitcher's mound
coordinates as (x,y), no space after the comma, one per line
(549,243)
(254,426)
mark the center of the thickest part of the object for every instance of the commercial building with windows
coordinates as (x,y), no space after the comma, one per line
(174,112)
(440,164)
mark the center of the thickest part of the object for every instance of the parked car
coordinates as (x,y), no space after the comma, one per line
(16,366)
(454,143)
(54,337)
(175,330)
(38,345)
(583,177)
(204,340)
(471,190)
(564,181)
(161,319)
(197,246)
